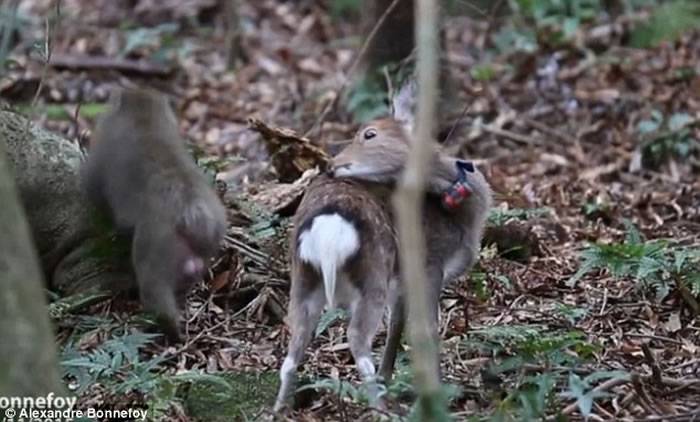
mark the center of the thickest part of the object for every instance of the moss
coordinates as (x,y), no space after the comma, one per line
(251,393)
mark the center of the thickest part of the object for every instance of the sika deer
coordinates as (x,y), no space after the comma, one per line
(343,252)
(454,214)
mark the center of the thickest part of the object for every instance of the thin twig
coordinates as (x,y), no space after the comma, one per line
(389,84)
(651,361)
(408,205)
(45,67)
(523,139)
(47,60)
(687,296)
(687,416)
(199,335)
(353,67)
(644,399)
(653,337)
(489,24)
(472,6)
(464,112)
(110,63)
(548,130)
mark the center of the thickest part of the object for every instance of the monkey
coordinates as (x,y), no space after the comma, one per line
(139,174)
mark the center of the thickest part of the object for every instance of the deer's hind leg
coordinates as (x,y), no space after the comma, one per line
(305,307)
(367,312)
(395,330)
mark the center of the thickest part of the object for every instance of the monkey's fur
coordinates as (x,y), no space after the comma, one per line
(139,172)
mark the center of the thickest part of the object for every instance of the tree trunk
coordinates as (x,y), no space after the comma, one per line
(394,40)
(27,351)
(76,250)
(394,43)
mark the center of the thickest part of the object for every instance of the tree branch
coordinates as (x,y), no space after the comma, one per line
(408,203)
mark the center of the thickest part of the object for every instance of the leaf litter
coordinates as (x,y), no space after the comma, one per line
(598,136)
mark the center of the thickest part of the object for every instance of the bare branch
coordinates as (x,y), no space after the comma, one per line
(408,204)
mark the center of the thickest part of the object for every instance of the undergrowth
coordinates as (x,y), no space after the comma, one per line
(121,366)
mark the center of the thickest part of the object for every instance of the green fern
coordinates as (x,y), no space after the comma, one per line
(528,343)
(654,264)
(668,22)
(340,388)
(118,365)
(328,318)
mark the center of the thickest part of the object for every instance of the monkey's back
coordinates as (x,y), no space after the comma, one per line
(139,170)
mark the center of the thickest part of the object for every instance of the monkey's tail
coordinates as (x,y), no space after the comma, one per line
(327,245)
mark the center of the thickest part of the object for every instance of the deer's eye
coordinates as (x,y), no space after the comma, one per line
(369,133)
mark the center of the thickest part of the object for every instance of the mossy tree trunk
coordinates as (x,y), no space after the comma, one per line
(28,365)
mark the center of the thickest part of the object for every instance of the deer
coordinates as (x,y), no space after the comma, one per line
(457,202)
(343,254)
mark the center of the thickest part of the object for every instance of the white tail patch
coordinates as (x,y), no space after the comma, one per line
(326,245)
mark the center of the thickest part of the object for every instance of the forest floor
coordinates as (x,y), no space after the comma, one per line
(592,150)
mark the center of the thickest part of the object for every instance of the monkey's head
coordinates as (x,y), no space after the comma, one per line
(142,104)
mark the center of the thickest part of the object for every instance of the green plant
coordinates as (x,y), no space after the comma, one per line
(527,343)
(570,313)
(479,285)
(582,390)
(668,21)
(529,400)
(328,318)
(500,216)
(60,112)
(513,36)
(339,388)
(159,37)
(597,208)
(118,366)
(535,395)
(666,138)
(532,396)
(484,72)
(401,386)
(367,100)
(554,20)
(654,264)
(341,8)
(10,22)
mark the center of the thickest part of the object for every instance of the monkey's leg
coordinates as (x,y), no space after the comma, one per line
(365,320)
(156,262)
(393,338)
(305,307)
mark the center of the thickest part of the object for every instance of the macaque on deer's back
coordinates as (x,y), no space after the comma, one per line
(453,227)
(139,172)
